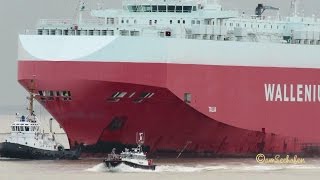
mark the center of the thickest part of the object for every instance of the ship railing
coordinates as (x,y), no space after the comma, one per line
(64,22)
(99,21)
(48,22)
(114,157)
(31,32)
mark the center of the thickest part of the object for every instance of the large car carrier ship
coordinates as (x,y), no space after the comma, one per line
(197,79)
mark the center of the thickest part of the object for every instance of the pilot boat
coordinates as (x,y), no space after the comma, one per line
(135,158)
(26,141)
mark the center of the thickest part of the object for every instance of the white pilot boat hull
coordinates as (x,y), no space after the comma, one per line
(115,163)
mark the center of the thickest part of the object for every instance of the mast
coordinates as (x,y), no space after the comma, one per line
(31,97)
(82,7)
(294,8)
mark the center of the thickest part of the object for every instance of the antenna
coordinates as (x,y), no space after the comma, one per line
(294,7)
(82,8)
(50,124)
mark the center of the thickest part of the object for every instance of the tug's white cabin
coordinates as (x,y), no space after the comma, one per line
(26,131)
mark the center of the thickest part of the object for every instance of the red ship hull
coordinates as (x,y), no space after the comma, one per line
(236,111)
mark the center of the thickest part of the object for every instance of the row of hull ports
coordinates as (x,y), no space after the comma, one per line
(75,32)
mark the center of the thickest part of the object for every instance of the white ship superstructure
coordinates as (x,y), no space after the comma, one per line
(203,20)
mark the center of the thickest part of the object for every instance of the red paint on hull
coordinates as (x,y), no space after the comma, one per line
(169,122)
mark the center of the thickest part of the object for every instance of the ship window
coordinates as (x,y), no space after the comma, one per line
(143,96)
(104,32)
(183,21)
(146,8)
(194,8)
(134,33)
(132,8)
(154,9)
(39,31)
(187,9)
(155,21)
(115,97)
(122,21)
(170,21)
(27,128)
(179,9)
(41,93)
(12,128)
(90,32)
(171,8)
(187,97)
(179,21)
(193,22)
(127,21)
(150,22)
(52,32)
(162,8)
(132,94)
(64,93)
(198,22)
(168,33)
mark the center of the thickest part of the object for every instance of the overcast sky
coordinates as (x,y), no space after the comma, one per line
(18,15)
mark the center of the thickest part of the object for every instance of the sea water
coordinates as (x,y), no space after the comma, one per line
(193,169)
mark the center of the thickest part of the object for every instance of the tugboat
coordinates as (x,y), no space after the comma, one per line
(26,140)
(135,158)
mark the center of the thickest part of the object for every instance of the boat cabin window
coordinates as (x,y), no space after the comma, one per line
(146,8)
(179,9)
(194,8)
(27,128)
(154,8)
(187,9)
(171,8)
(13,128)
(162,8)
(132,8)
